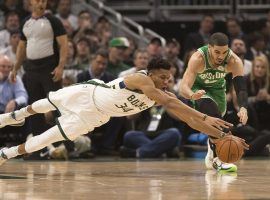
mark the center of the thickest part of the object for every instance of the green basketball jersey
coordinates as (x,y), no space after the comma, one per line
(212,80)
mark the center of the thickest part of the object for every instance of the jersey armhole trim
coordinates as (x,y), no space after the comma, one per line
(203,55)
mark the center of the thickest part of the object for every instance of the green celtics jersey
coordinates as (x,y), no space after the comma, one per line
(212,80)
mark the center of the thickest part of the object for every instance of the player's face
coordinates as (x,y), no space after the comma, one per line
(39,6)
(218,53)
(161,78)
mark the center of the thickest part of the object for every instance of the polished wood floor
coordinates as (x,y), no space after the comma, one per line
(128,180)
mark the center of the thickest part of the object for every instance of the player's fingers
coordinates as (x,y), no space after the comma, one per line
(225,122)
(245,145)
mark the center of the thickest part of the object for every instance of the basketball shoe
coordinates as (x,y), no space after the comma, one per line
(10,119)
(3,157)
(212,162)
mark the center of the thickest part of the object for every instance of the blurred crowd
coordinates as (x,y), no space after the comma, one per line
(94,52)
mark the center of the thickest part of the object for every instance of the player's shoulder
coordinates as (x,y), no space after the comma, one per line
(197,57)
(137,79)
(234,59)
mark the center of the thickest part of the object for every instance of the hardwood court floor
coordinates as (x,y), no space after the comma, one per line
(154,180)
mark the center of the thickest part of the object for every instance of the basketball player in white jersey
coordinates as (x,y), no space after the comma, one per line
(88,105)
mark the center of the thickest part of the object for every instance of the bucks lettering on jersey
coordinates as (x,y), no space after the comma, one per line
(212,80)
(115,99)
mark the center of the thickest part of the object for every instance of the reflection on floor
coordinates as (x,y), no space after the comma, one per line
(155,180)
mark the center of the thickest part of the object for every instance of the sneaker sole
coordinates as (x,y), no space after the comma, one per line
(231,169)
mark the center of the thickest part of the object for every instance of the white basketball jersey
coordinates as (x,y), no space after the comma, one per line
(116,100)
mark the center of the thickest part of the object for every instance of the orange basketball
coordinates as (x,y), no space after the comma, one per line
(229,149)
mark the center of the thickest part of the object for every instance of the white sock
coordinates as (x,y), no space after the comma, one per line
(11,152)
(22,113)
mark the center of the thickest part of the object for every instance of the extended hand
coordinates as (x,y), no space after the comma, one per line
(197,95)
(218,123)
(243,115)
(240,140)
(57,72)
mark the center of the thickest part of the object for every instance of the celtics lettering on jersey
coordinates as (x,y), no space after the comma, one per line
(132,102)
(211,77)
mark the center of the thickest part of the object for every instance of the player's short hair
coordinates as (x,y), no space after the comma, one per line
(218,39)
(158,63)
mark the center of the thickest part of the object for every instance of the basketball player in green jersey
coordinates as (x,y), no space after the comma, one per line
(205,85)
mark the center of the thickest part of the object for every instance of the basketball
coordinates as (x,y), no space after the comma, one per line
(229,149)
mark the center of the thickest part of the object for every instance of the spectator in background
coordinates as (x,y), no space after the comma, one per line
(234,30)
(97,68)
(64,13)
(52,6)
(84,22)
(10,50)
(8,6)
(129,52)
(117,47)
(141,59)
(257,46)
(258,87)
(264,28)
(93,38)
(104,30)
(200,38)
(12,23)
(71,55)
(155,48)
(82,53)
(155,134)
(69,29)
(70,70)
(172,51)
(43,47)
(24,9)
(238,46)
(13,96)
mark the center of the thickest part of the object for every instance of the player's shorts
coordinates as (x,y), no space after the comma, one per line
(218,96)
(78,113)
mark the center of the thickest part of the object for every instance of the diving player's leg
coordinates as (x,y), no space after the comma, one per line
(33,144)
(210,107)
(17,117)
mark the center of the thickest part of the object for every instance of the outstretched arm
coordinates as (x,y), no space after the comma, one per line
(235,66)
(197,120)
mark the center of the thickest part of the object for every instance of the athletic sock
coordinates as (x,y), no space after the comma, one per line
(21,114)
